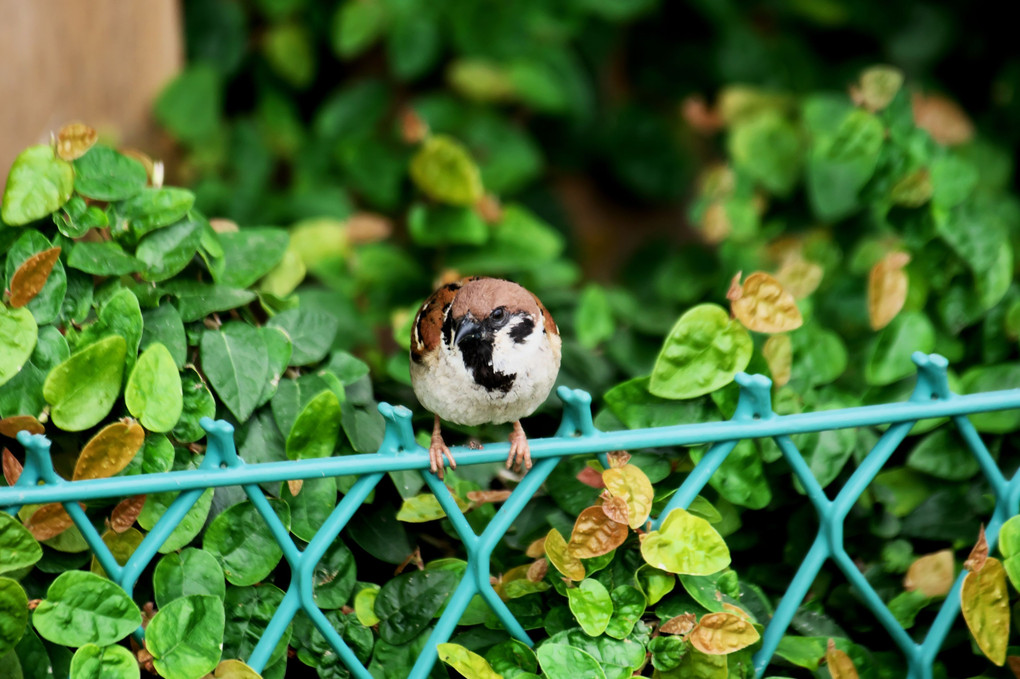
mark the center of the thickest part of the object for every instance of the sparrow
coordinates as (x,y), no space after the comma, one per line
(483,350)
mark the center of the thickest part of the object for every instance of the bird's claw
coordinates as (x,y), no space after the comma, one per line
(437,450)
(519,458)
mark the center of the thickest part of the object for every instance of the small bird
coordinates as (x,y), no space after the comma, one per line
(483,350)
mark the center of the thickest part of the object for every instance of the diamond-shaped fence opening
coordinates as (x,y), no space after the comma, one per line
(753,419)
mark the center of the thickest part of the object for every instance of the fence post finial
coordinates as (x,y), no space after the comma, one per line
(38,463)
(220,450)
(755,402)
(399,436)
(576,412)
(932,377)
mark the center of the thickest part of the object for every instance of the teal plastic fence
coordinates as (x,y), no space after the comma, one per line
(577,435)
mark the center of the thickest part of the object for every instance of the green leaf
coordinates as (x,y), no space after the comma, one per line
(38,184)
(166,252)
(83,389)
(249,610)
(686,544)
(888,358)
(334,576)
(103,174)
(236,363)
(560,661)
(512,658)
(83,608)
(278,350)
(195,300)
(637,409)
(953,179)
(466,662)
(151,209)
(76,217)
(198,402)
(407,603)
(50,349)
(593,317)
(364,605)
(316,428)
(185,636)
(153,394)
(241,541)
(248,255)
(444,170)
(105,258)
(19,548)
(164,325)
(703,351)
(413,45)
(993,378)
(190,526)
(591,605)
(190,571)
(423,508)
(841,163)
(104,662)
(311,334)
(446,225)
(364,426)
(190,106)
(618,658)
(119,315)
(906,605)
(289,50)
(13,614)
(1009,537)
(741,477)
(820,356)
(629,605)
(768,147)
(356,26)
(944,455)
(18,335)
(46,305)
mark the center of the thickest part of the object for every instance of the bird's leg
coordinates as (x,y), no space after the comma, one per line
(437,449)
(520,451)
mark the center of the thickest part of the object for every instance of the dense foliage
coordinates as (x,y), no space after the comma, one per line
(393,145)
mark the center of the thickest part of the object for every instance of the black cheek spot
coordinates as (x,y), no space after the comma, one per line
(477,355)
(448,328)
(520,332)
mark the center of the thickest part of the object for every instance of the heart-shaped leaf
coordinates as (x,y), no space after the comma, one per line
(83,389)
(38,184)
(109,451)
(83,608)
(18,335)
(687,544)
(186,635)
(154,394)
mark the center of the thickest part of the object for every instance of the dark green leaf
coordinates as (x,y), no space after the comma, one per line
(198,403)
(248,255)
(241,541)
(103,174)
(405,605)
(13,614)
(164,325)
(236,363)
(333,577)
(104,258)
(190,106)
(195,300)
(249,610)
(311,334)
(312,505)
(164,253)
(190,571)
(446,225)
(889,355)
(841,163)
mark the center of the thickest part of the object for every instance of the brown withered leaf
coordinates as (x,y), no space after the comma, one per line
(615,509)
(722,633)
(536,548)
(979,555)
(49,521)
(595,534)
(538,569)
(368,227)
(681,624)
(126,513)
(483,496)
(618,458)
(74,139)
(715,223)
(1013,662)
(223,225)
(489,209)
(590,477)
(839,663)
(799,276)
(31,276)
(887,289)
(942,118)
(765,306)
(413,128)
(295,486)
(630,484)
(12,468)
(109,451)
(931,574)
(10,426)
(778,353)
(696,112)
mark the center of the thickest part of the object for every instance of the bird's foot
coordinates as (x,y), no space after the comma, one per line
(520,452)
(437,450)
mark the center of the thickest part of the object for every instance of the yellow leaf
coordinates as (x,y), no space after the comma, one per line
(887,289)
(31,276)
(631,485)
(74,139)
(424,507)
(534,550)
(839,663)
(10,426)
(722,633)
(468,663)
(595,534)
(561,557)
(931,574)
(234,669)
(681,624)
(799,276)
(121,545)
(109,451)
(778,352)
(877,87)
(763,305)
(985,604)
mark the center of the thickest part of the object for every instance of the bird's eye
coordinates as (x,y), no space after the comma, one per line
(498,316)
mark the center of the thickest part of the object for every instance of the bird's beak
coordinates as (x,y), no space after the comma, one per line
(466,329)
